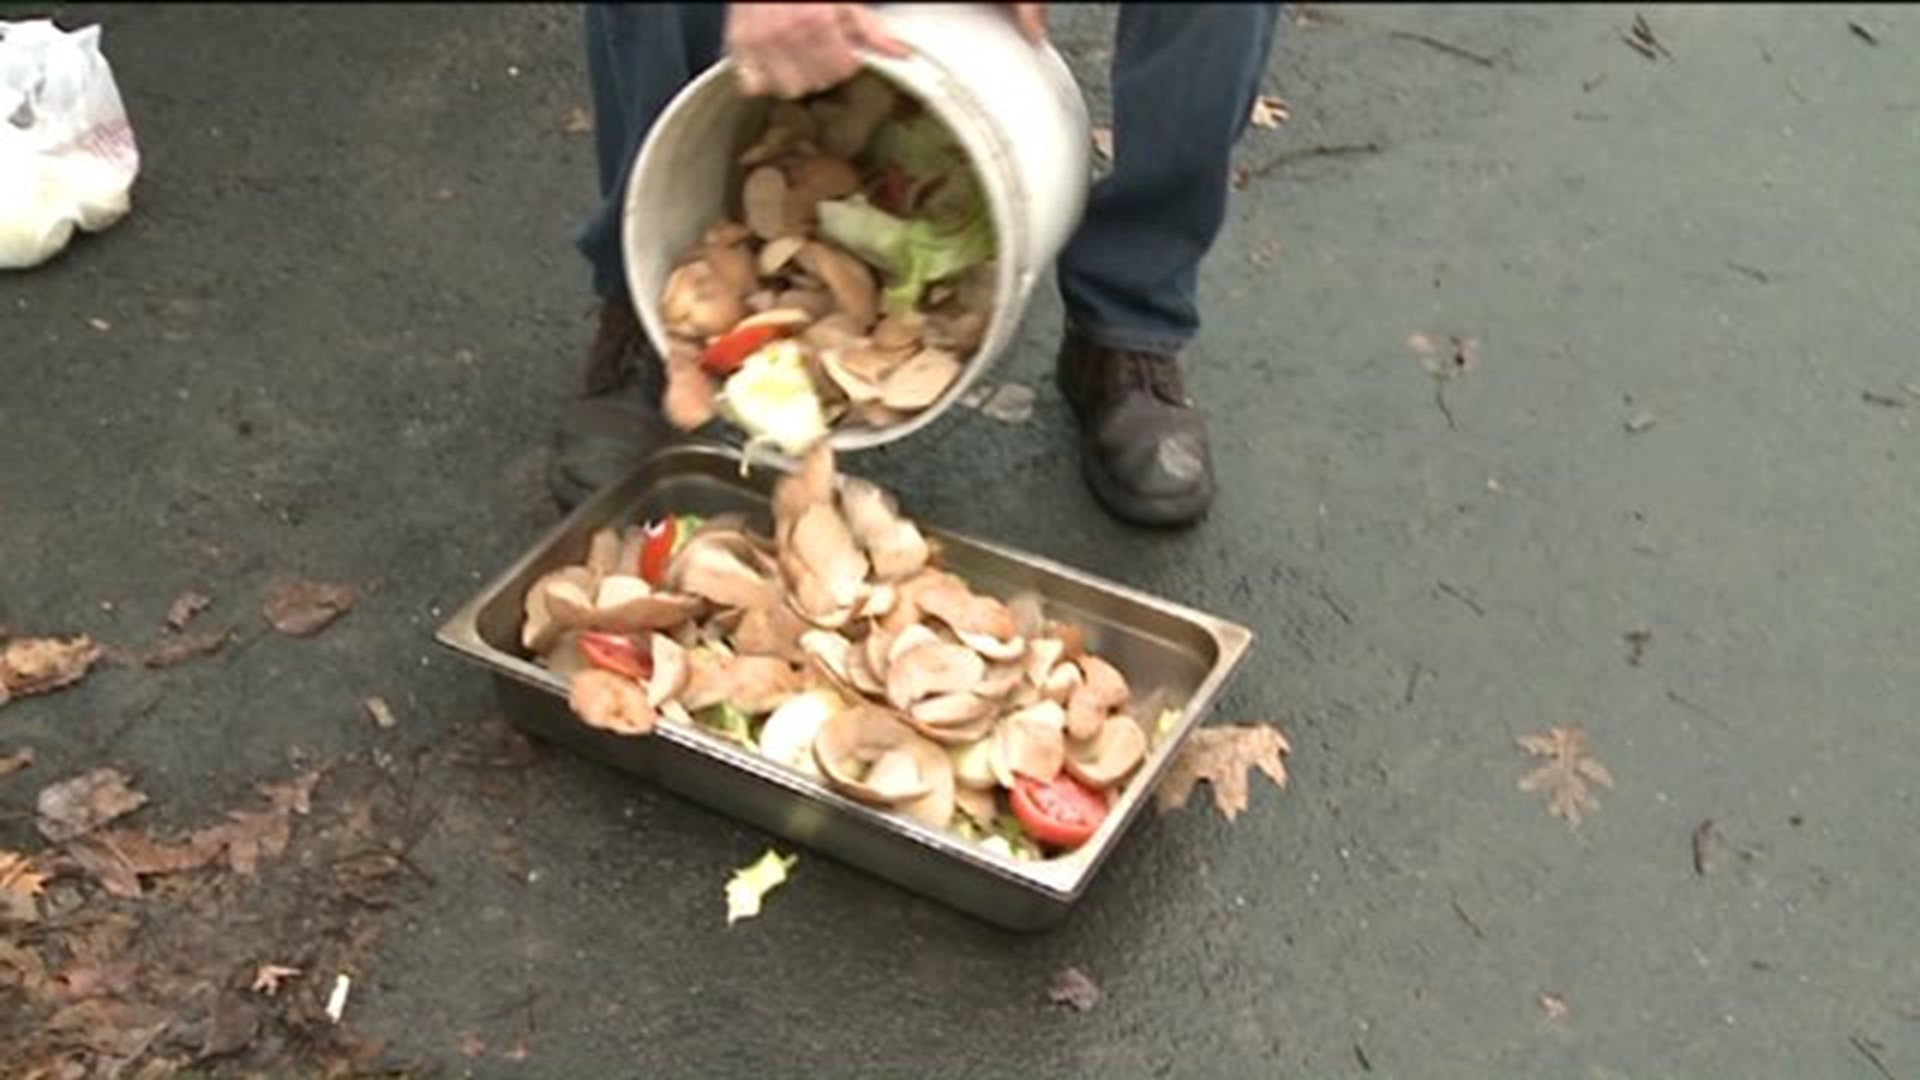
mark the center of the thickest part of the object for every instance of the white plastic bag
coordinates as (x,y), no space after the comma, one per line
(67,154)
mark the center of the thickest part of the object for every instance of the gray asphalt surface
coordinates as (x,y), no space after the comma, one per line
(335,330)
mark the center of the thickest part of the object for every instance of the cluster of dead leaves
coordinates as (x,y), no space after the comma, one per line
(140,966)
(1223,756)
(40,665)
(74,814)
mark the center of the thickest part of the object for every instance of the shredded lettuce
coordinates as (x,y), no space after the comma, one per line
(751,884)
(727,721)
(910,254)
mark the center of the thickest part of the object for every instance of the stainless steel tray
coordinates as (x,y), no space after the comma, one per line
(1161,646)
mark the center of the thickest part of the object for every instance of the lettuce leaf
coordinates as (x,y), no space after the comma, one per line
(911,255)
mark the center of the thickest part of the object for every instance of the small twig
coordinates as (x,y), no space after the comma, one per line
(1685,704)
(1794,89)
(1885,401)
(1749,271)
(1468,919)
(1445,47)
(1866,1050)
(1640,47)
(1463,598)
(1440,399)
(1360,1055)
(1702,835)
(1863,33)
(1328,599)
(1291,157)
(1413,680)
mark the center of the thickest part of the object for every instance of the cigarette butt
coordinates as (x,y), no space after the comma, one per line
(337,1001)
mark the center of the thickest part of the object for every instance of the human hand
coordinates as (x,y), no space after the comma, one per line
(1032,21)
(790,50)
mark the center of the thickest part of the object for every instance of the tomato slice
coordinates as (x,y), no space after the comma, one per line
(728,352)
(656,549)
(1061,813)
(617,653)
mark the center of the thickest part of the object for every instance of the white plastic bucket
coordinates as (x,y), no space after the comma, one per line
(1016,109)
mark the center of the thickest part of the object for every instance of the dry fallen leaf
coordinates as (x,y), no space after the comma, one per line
(267,979)
(82,804)
(1072,988)
(1221,756)
(39,665)
(1554,1006)
(14,762)
(1566,772)
(100,857)
(304,608)
(1103,143)
(380,711)
(1269,112)
(1009,403)
(578,121)
(19,884)
(109,1028)
(472,1045)
(1461,355)
(189,604)
(181,648)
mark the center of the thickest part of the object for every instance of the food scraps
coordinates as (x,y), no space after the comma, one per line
(750,885)
(852,283)
(841,648)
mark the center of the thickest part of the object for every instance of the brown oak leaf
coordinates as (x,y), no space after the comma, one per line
(82,804)
(1221,756)
(181,648)
(39,665)
(1269,112)
(19,884)
(304,608)
(1566,773)
(15,761)
(1074,989)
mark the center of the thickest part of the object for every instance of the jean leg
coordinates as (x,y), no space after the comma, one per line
(638,57)
(1185,77)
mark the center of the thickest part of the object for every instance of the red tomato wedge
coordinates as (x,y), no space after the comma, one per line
(728,352)
(1061,813)
(617,653)
(656,551)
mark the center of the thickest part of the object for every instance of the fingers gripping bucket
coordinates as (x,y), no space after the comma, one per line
(1015,109)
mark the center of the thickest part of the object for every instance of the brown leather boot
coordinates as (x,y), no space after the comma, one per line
(1143,444)
(609,431)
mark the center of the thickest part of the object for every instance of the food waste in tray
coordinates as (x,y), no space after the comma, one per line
(850,286)
(840,648)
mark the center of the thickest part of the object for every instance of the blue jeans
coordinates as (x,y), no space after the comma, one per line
(1184,80)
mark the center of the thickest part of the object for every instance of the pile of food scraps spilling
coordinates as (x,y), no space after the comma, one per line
(851,284)
(839,647)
